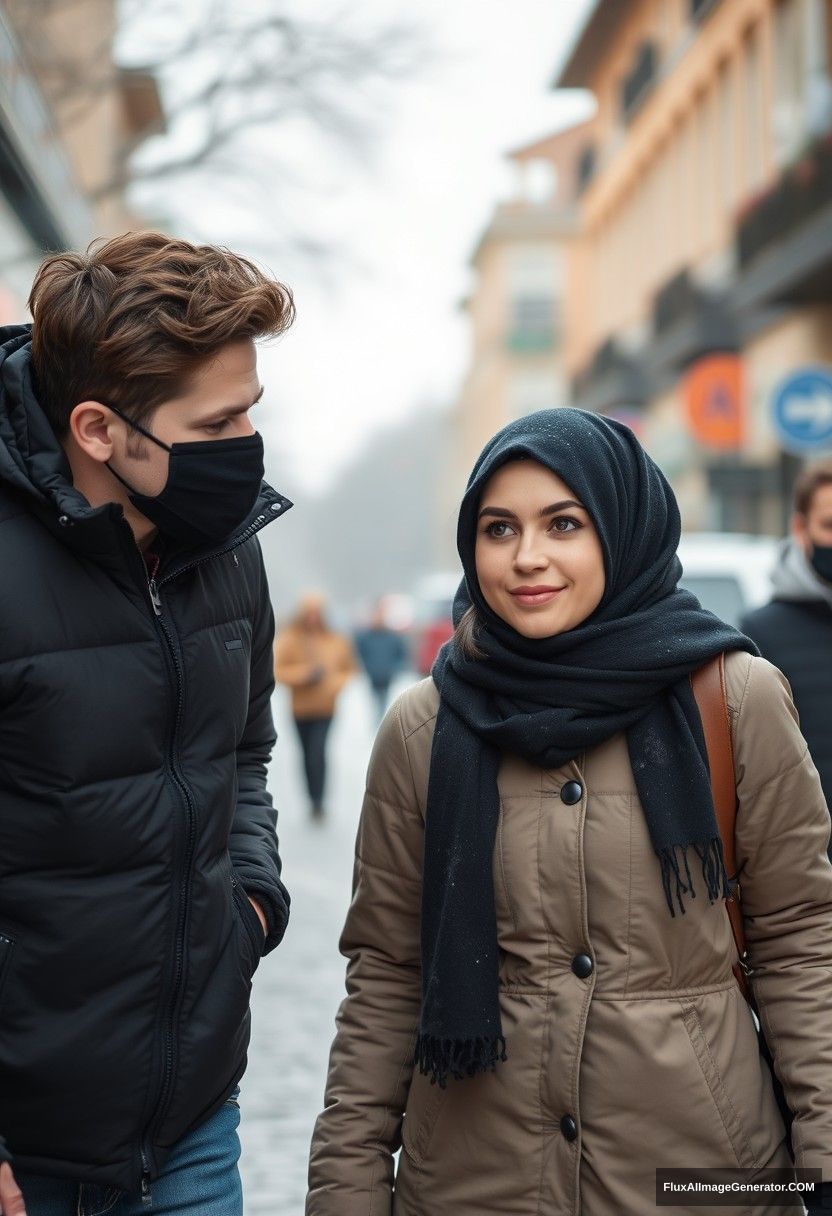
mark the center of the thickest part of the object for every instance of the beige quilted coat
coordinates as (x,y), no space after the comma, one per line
(652,1056)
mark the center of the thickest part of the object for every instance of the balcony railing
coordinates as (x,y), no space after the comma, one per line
(674,301)
(613,378)
(803,190)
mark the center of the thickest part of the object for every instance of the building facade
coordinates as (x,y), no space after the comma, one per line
(701,274)
(515,306)
(66,125)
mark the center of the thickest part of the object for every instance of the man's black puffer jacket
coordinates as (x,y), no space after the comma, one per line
(134,816)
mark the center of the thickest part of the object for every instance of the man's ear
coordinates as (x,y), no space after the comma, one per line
(91,425)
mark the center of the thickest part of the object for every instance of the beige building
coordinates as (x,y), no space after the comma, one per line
(702,273)
(68,119)
(516,303)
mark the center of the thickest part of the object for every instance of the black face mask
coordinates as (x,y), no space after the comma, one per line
(211,489)
(821,561)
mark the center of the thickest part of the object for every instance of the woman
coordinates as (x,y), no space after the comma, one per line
(315,662)
(537,920)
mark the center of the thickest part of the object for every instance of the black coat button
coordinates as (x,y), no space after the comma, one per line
(582,965)
(572,792)
(569,1128)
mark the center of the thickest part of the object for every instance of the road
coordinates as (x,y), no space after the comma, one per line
(298,988)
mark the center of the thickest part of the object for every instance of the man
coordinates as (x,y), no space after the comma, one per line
(794,631)
(383,654)
(315,662)
(139,868)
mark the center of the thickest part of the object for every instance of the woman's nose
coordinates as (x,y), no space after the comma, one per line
(530,556)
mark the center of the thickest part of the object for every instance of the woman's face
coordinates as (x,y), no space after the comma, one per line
(538,557)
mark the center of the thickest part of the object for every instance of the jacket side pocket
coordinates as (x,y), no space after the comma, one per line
(250,922)
(424,1103)
(725,1109)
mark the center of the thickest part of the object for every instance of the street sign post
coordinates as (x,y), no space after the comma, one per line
(802,411)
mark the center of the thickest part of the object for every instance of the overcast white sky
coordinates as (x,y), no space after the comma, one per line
(383,336)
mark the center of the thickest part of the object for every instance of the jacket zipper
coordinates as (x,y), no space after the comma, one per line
(182,787)
(240,539)
(190,827)
(146,1199)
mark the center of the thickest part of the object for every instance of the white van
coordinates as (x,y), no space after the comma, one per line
(728,572)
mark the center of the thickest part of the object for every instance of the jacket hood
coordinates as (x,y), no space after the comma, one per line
(794,579)
(32,461)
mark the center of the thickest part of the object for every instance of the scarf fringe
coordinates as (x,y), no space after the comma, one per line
(458,1058)
(713,872)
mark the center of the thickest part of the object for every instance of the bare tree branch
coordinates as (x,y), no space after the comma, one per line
(225,72)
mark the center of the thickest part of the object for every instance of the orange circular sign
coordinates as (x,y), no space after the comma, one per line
(714,396)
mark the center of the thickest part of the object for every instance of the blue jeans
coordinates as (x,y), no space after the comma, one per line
(199,1178)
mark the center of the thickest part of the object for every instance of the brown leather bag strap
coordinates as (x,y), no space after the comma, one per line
(709,690)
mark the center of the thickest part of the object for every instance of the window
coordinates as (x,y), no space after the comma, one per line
(532,277)
(586,167)
(639,79)
(700,8)
(753,110)
(789,115)
(726,185)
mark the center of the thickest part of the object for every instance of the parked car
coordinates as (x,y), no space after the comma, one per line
(728,572)
(433,626)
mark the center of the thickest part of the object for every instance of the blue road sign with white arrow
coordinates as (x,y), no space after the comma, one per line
(802,410)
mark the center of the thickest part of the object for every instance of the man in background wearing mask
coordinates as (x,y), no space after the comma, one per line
(139,868)
(794,631)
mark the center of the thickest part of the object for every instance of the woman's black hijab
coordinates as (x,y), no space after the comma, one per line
(625,668)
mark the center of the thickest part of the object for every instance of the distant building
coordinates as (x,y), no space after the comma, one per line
(516,302)
(60,145)
(702,272)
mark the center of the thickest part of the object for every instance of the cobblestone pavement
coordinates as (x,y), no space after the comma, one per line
(298,988)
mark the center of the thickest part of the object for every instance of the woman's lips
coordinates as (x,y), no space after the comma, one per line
(534,597)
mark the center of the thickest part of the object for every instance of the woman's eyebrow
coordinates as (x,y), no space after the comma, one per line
(560,506)
(499,512)
(502,513)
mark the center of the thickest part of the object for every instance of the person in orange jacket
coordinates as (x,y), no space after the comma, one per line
(314,662)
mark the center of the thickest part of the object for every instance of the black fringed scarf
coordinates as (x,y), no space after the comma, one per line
(548,700)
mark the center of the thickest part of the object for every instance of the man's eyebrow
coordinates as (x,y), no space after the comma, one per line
(231,411)
(502,513)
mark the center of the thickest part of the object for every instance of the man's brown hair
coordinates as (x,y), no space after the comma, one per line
(811,479)
(129,321)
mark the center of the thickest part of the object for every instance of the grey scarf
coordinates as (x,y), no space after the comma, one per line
(793,577)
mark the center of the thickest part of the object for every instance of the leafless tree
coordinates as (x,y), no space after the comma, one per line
(235,78)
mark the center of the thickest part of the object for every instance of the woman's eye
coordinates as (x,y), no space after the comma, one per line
(565,523)
(498,530)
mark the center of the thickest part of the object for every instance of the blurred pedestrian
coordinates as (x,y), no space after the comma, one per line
(538,919)
(315,663)
(383,653)
(139,869)
(794,631)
